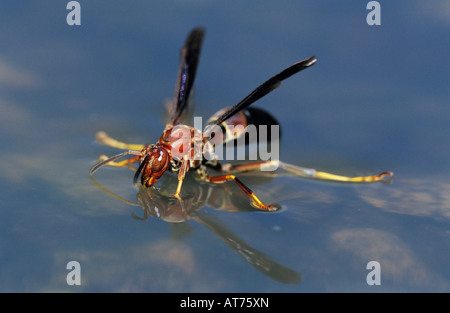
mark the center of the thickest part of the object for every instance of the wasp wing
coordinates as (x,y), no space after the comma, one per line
(189,57)
(270,85)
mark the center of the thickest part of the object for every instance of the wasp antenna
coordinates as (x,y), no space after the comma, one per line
(113,158)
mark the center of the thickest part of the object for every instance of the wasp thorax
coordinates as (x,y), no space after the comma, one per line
(183,141)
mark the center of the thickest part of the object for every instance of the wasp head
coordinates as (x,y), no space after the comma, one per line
(154,162)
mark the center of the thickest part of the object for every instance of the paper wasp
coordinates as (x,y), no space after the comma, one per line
(182,148)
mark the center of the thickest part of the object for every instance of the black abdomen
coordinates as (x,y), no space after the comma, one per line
(257,125)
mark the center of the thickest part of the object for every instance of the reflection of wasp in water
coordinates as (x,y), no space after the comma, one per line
(158,204)
(182,148)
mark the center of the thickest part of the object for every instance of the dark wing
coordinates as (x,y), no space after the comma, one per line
(265,88)
(189,57)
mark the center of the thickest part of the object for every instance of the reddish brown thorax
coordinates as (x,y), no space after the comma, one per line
(181,141)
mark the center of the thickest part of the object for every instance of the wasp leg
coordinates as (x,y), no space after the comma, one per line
(104,139)
(248,167)
(184,168)
(255,200)
(385,177)
(124,163)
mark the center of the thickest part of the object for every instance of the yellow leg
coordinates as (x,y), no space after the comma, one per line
(385,177)
(181,174)
(104,139)
(177,193)
(255,200)
(124,163)
(104,160)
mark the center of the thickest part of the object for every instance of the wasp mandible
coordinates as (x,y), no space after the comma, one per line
(182,148)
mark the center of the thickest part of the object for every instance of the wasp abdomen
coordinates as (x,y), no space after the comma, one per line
(254,123)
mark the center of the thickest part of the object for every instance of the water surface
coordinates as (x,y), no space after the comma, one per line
(376,100)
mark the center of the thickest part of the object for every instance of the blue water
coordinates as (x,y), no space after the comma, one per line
(376,100)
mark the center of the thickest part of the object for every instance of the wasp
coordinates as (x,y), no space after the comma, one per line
(182,148)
